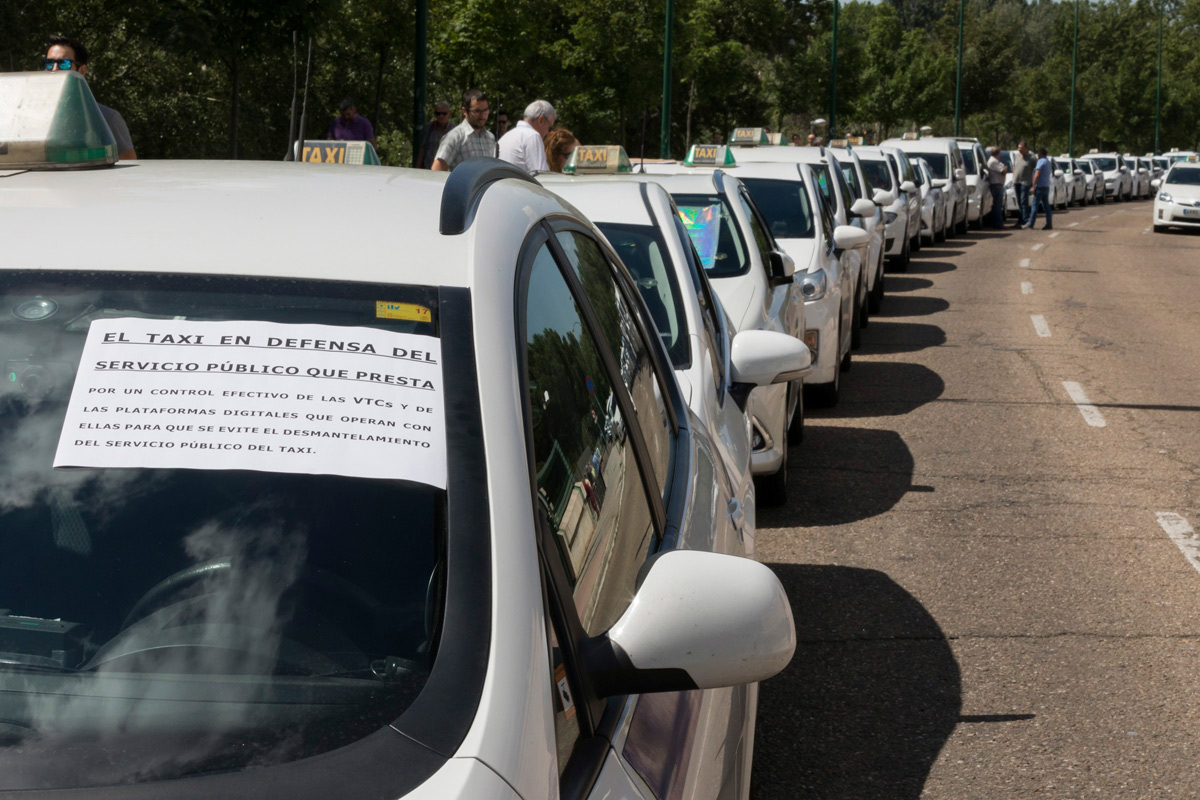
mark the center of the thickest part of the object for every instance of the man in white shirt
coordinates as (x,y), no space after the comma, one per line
(996,172)
(525,145)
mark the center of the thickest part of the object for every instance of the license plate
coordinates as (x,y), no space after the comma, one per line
(1191,212)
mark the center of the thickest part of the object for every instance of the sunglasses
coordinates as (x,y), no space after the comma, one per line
(441,113)
(64,64)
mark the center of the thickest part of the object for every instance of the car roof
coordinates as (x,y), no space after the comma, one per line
(268,219)
(782,170)
(795,155)
(615,201)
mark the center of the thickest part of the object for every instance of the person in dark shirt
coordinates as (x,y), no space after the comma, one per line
(63,54)
(350,126)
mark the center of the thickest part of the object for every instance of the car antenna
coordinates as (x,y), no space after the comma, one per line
(642,162)
(291,154)
(304,104)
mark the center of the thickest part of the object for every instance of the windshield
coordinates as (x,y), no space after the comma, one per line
(1106,164)
(644,253)
(1006,158)
(1084,165)
(211,560)
(938,164)
(1184,176)
(968,155)
(719,243)
(785,206)
(851,176)
(878,174)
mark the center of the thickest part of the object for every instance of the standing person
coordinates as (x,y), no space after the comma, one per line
(525,145)
(1023,166)
(349,125)
(1041,191)
(501,123)
(560,143)
(996,172)
(63,54)
(468,139)
(434,132)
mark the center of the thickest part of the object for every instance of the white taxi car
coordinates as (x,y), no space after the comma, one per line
(429,521)
(933,204)
(945,159)
(979,197)
(861,189)
(1115,174)
(885,183)
(1177,196)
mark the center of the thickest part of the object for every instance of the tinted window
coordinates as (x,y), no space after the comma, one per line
(1108,164)
(842,188)
(761,238)
(851,175)
(968,155)
(715,234)
(1184,176)
(821,173)
(785,205)
(878,174)
(939,164)
(1006,158)
(1085,165)
(626,344)
(644,253)
(588,481)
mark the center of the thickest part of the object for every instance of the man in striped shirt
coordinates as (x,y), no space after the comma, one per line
(470,138)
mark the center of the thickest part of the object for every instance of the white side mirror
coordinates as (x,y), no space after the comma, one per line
(863,208)
(883,197)
(699,620)
(761,358)
(908,186)
(847,237)
(1058,173)
(960,174)
(1156,183)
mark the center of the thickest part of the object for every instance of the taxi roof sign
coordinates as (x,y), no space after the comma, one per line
(52,121)
(910,136)
(322,151)
(749,137)
(603,159)
(710,155)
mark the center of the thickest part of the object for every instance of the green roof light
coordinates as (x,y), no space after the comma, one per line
(605,159)
(55,123)
(710,155)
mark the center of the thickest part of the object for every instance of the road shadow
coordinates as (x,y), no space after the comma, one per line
(868,701)
(926,268)
(883,388)
(842,475)
(899,337)
(910,306)
(901,283)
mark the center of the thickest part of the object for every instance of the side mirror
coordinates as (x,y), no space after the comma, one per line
(960,174)
(847,237)
(882,197)
(699,620)
(908,186)
(1156,183)
(863,208)
(782,267)
(762,358)
(1058,173)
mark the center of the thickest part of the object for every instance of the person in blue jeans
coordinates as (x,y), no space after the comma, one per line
(1041,191)
(1022,169)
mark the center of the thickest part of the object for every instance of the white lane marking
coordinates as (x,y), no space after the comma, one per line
(1073,224)
(1039,325)
(1090,413)
(1054,234)
(1038,246)
(1095,217)
(1026,287)
(1144,232)
(1024,262)
(1182,534)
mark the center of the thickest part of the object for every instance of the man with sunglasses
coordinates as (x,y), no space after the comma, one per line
(63,54)
(468,139)
(434,132)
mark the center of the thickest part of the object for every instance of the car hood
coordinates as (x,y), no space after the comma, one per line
(1181,191)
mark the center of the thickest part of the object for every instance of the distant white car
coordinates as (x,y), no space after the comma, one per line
(884,180)
(1177,197)
(979,196)
(933,204)
(1076,183)
(1115,174)
(1093,182)
(945,160)
(1139,178)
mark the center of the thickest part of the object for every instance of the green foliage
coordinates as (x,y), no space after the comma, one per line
(213,78)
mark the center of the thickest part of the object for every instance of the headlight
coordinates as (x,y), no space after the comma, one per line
(815,284)
(1166,198)
(889,217)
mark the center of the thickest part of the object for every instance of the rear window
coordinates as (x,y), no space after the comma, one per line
(714,232)
(939,164)
(210,562)
(785,205)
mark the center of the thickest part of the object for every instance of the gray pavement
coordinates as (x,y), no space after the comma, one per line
(986,603)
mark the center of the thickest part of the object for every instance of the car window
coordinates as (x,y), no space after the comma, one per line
(761,238)
(842,187)
(1105,163)
(905,166)
(919,173)
(1085,166)
(852,179)
(1184,176)
(626,344)
(588,482)
(715,234)
(644,253)
(785,205)
(827,220)
(222,602)
(968,156)
(939,164)
(877,174)
(708,307)
(821,173)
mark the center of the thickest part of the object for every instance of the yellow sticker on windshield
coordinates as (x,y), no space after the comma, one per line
(408,311)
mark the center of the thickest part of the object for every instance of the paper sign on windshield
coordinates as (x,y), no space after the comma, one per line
(264,396)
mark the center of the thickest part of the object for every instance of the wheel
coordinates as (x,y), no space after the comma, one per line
(902,261)
(939,230)
(875,296)
(961,227)
(856,324)
(771,489)
(845,364)
(795,432)
(1160,228)
(825,395)
(914,244)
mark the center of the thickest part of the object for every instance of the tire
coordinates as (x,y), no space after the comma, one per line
(914,244)
(846,362)
(1160,228)
(856,324)
(771,490)
(795,431)
(961,227)
(875,296)
(939,231)
(826,395)
(978,224)
(901,262)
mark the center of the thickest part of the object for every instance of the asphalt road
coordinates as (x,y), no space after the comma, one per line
(988,601)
